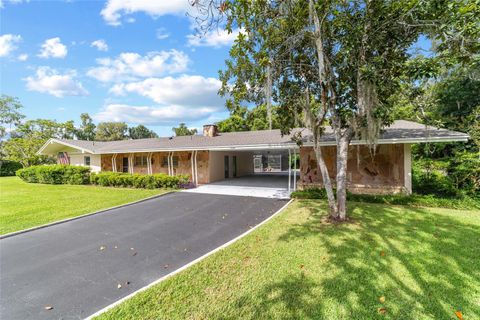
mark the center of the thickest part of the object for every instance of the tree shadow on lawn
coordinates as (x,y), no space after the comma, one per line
(425,264)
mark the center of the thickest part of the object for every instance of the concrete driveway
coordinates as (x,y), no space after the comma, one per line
(77,266)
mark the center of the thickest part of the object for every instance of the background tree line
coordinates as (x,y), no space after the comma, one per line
(20,140)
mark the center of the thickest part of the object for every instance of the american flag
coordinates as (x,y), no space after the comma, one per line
(63,158)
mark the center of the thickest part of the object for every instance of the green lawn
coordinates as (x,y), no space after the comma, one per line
(25,205)
(386,263)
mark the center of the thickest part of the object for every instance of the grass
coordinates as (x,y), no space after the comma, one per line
(25,205)
(387,262)
(415,200)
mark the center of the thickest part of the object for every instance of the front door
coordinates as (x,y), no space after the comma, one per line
(234,169)
(227,167)
(125,164)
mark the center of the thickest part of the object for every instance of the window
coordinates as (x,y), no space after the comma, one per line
(165,162)
(86,161)
(141,161)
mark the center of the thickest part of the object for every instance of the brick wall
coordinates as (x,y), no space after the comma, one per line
(184,164)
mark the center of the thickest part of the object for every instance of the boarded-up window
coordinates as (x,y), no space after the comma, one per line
(141,161)
(165,162)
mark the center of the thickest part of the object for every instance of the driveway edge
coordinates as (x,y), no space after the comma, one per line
(11,234)
(191,263)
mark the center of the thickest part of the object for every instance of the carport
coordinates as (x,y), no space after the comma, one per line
(252,172)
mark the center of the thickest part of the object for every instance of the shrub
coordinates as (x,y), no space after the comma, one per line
(119,179)
(431,177)
(416,200)
(55,174)
(464,172)
(8,168)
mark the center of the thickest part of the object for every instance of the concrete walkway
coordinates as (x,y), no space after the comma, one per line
(77,267)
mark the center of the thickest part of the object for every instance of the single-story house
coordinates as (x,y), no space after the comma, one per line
(215,156)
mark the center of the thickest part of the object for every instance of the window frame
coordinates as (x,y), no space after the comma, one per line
(142,163)
(85,162)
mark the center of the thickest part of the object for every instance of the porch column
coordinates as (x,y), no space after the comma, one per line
(171,164)
(196,167)
(130,163)
(114,162)
(193,167)
(149,163)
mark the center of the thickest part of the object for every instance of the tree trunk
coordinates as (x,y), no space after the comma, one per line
(342,157)
(327,183)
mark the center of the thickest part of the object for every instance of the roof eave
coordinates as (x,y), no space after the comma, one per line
(52,140)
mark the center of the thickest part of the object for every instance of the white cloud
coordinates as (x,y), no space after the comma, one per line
(48,80)
(181,99)
(115,9)
(131,66)
(157,115)
(183,90)
(2,2)
(214,38)
(53,48)
(8,43)
(23,57)
(162,34)
(100,44)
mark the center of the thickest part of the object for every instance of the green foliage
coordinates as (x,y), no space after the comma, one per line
(414,200)
(111,131)
(244,119)
(183,130)
(55,174)
(8,168)
(430,177)
(450,177)
(9,113)
(141,132)
(119,179)
(45,129)
(24,150)
(87,128)
(464,172)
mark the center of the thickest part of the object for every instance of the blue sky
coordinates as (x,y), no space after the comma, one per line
(137,61)
(119,60)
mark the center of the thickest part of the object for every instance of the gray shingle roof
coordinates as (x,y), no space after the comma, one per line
(399,132)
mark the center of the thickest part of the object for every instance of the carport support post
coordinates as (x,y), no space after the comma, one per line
(294,169)
(289,168)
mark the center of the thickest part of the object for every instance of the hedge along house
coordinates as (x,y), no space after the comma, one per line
(262,158)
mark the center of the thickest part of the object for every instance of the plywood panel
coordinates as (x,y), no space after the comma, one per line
(381,171)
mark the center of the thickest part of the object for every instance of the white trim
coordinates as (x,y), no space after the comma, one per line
(52,140)
(131,161)
(114,162)
(280,146)
(407,167)
(196,167)
(191,164)
(191,263)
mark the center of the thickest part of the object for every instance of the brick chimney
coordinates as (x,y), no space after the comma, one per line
(210,130)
